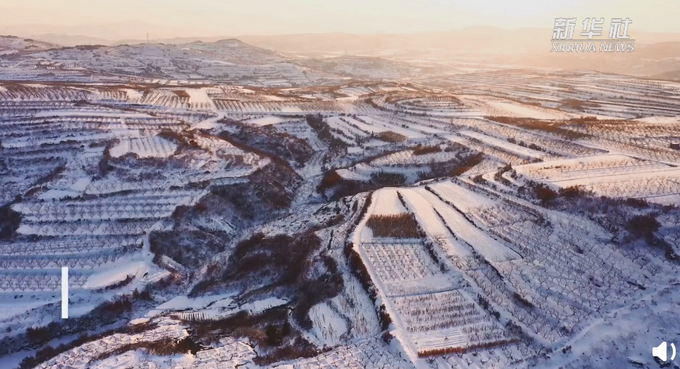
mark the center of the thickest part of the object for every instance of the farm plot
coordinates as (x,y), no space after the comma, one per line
(85,233)
(123,214)
(85,354)
(382,123)
(361,124)
(74,261)
(23,174)
(39,280)
(462,228)
(69,245)
(464,199)
(407,157)
(433,224)
(166,98)
(618,176)
(145,147)
(289,107)
(565,277)
(501,357)
(431,106)
(32,138)
(633,138)
(435,315)
(37,92)
(636,185)
(35,132)
(118,207)
(430,308)
(232,354)
(426,126)
(387,202)
(404,268)
(504,145)
(447,320)
(84,203)
(496,153)
(86,228)
(348,130)
(521,110)
(548,135)
(371,353)
(500,107)
(438,103)
(557,171)
(226,170)
(199,99)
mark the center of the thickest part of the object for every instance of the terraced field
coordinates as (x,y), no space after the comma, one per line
(231,206)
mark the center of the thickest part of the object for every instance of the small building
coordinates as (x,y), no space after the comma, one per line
(675,146)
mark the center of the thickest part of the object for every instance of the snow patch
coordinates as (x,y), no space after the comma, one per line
(266,120)
(116,274)
(327,325)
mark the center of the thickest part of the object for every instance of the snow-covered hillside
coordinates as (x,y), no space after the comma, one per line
(222,205)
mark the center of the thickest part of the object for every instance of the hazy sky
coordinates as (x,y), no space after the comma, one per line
(236,17)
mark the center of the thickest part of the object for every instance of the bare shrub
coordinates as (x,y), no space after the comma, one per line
(467,164)
(544,193)
(389,136)
(329,180)
(522,300)
(557,128)
(461,350)
(637,203)
(424,150)
(573,192)
(398,226)
(189,248)
(301,348)
(9,222)
(388,179)
(181,94)
(643,226)
(324,132)
(117,285)
(498,176)
(164,347)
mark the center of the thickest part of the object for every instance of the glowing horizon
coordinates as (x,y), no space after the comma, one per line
(205,18)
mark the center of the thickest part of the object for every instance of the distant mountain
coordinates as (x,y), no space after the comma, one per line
(365,67)
(670,76)
(485,40)
(165,57)
(655,53)
(468,40)
(70,40)
(225,61)
(108,31)
(13,44)
(169,41)
(482,40)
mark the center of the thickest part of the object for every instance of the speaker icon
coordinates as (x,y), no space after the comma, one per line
(661,352)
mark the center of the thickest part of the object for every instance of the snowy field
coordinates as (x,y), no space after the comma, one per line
(244,208)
